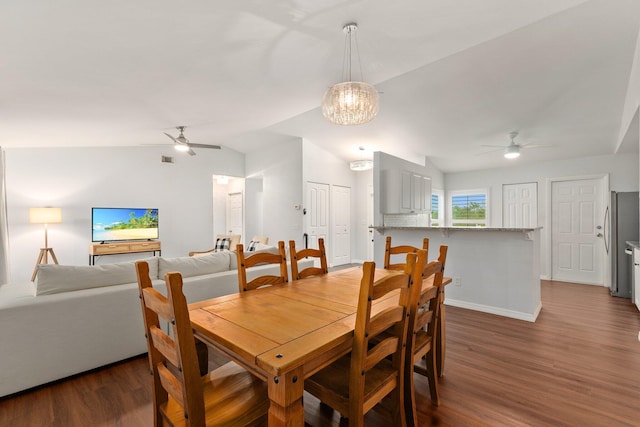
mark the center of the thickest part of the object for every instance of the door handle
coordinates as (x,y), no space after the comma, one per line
(599,227)
(599,234)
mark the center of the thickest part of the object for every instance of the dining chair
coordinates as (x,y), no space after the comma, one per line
(261,258)
(423,322)
(397,250)
(355,383)
(228,395)
(295,256)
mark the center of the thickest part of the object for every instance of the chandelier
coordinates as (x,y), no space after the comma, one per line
(349,102)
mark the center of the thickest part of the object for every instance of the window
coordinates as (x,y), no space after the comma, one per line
(437,208)
(468,208)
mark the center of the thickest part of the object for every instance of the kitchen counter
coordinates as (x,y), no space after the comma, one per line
(394,227)
(447,230)
(633,244)
(494,269)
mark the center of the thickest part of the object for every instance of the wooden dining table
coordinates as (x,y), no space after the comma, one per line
(286,333)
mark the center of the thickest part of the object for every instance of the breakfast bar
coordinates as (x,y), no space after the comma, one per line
(494,270)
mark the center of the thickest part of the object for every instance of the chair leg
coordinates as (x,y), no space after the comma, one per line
(203,357)
(410,398)
(432,376)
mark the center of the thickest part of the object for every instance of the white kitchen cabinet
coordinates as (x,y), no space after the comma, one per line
(405,192)
(635,293)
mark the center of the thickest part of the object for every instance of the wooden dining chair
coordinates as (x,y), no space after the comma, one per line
(260,258)
(373,370)
(403,249)
(423,322)
(295,256)
(225,396)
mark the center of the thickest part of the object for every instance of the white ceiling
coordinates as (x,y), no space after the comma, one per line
(453,75)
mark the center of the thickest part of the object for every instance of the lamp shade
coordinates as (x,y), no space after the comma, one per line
(512,151)
(350,103)
(361,165)
(45,215)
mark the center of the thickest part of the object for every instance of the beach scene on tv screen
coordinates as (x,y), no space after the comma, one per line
(124,224)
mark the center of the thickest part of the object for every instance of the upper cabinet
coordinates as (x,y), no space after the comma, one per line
(405,192)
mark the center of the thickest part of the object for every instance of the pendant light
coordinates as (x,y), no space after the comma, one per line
(350,102)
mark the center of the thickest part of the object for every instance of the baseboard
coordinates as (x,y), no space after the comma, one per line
(529,317)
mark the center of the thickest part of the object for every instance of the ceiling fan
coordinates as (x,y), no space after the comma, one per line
(512,150)
(181,143)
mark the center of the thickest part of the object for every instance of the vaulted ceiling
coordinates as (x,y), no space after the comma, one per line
(453,75)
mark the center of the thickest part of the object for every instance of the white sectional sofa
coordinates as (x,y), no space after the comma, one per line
(77,318)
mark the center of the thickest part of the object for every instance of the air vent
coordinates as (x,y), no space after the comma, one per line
(166,159)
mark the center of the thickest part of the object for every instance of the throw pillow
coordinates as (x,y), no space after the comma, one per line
(222,244)
(252,246)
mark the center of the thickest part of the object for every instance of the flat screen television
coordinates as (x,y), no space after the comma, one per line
(121,224)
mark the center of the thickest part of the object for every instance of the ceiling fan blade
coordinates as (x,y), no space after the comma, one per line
(191,152)
(494,146)
(491,151)
(172,138)
(216,147)
(537,146)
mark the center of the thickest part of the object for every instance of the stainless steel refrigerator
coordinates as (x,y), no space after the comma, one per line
(624,220)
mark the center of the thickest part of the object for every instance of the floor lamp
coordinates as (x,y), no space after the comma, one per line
(44,216)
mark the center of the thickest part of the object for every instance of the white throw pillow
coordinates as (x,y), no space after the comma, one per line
(54,278)
(188,266)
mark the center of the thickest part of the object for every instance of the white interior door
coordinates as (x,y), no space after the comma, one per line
(317,215)
(234,213)
(576,247)
(341,209)
(520,205)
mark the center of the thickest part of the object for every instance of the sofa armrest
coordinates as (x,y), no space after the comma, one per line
(195,253)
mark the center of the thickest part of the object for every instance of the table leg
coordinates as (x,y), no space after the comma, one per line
(285,393)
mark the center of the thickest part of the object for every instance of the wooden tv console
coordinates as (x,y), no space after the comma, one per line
(97,249)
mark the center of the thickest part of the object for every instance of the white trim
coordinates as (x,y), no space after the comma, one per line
(519,315)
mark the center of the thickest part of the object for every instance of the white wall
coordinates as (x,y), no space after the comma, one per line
(632,100)
(280,168)
(253,209)
(77,179)
(622,170)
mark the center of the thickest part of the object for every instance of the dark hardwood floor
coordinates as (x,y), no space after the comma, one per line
(578,365)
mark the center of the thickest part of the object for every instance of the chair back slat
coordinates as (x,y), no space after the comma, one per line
(402,249)
(157,303)
(260,259)
(171,384)
(165,345)
(296,256)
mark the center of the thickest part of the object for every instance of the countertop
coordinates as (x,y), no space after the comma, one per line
(376,227)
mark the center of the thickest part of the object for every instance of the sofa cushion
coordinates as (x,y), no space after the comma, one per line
(54,278)
(188,266)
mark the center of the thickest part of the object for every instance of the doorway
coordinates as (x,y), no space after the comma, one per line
(317,215)
(577,252)
(341,224)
